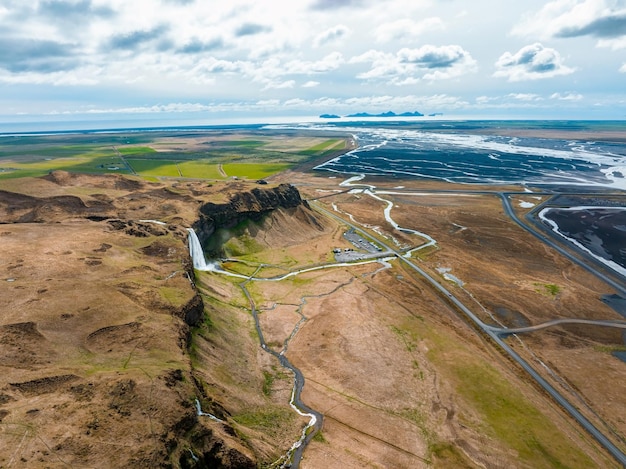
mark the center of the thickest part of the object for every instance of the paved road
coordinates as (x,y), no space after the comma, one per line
(495,337)
(506,331)
(588,266)
(121,157)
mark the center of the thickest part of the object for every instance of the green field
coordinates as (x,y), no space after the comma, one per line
(197,155)
(147,167)
(254,170)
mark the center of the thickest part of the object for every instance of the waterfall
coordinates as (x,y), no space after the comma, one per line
(196,252)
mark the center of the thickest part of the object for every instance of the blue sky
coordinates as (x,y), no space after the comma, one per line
(201,60)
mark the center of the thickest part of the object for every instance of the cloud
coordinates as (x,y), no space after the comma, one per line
(134,39)
(328,63)
(331,35)
(434,56)
(486,99)
(576,18)
(408,66)
(195,46)
(213,65)
(310,84)
(71,11)
(251,29)
(531,62)
(407,28)
(278,85)
(610,26)
(525,96)
(336,4)
(567,96)
(622,69)
(615,44)
(33,55)
(83,76)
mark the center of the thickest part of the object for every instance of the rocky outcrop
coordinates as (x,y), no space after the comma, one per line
(192,312)
(22,208)
(251,205)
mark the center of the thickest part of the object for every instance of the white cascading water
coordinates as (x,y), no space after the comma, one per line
(196,252)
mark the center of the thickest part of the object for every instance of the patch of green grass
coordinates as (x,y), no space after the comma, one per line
(446,455)
(610,348)
(326,146)
(175,296)
(200,169)
(510,417)
(166,168)
(408,339)
(22,173)
(268,382)
(265,418)
(549,289)
(135,150)
(85,163)
(254,170)
(241,246)
(319,437)
(240,143)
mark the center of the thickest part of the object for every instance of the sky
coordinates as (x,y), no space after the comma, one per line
(208,61)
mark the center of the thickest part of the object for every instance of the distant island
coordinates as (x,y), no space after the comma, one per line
(382,114)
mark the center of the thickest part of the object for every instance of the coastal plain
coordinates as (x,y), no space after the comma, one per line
(106,345)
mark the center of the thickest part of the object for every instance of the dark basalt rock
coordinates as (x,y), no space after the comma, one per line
(192,312)
(251,205)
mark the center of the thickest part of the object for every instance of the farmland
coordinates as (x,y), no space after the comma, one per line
(198,154)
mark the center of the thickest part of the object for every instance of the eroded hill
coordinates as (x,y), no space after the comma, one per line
(99,307)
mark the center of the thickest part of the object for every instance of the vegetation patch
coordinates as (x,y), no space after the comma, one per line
(166,168)
(135,150)
(549,289)
(267,418)
(200,169)
(254,170)
(510,417)
(444,455)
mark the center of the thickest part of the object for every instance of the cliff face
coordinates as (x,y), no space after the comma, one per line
(251,205)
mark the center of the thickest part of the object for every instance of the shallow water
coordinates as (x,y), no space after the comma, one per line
(463,156)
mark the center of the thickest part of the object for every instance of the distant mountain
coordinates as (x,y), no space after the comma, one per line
(387,114)
(329,116)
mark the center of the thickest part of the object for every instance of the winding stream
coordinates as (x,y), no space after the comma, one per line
(294,454)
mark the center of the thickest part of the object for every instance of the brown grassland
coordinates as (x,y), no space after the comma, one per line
(101,368)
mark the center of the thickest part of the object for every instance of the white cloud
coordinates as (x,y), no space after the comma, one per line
(558,16)
(567,96)
(338,49)
(279,85)
(601,19)
(86,76)
(408,66)
(525,96)
(328,63)
(531,62)
(331,35)
(614,44)
(295,102)
(485,99)
(406,28)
